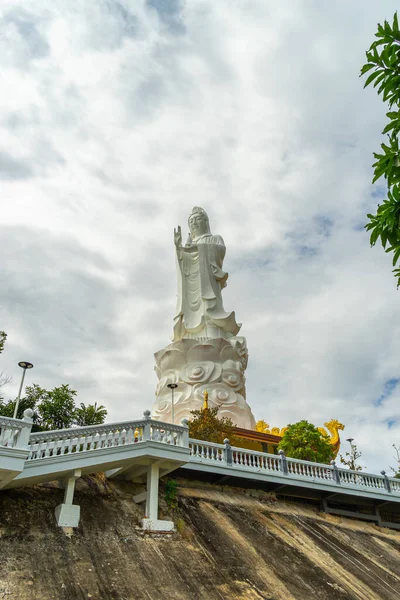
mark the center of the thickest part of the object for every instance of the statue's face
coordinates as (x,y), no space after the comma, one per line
(198,224)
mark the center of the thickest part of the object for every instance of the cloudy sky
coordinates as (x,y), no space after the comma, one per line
(116,118)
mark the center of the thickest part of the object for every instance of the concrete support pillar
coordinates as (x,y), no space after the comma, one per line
(68,514)
(153,474)
(151,521)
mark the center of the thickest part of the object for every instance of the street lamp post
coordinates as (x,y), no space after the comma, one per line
(172,387)
(24,365)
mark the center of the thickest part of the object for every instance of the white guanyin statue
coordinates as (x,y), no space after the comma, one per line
(206,354)
(200,312)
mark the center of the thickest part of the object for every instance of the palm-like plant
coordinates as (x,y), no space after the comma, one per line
(90,414)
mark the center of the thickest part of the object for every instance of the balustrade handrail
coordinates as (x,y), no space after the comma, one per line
(74,432)
(346,476)
(361,473)
(204,443)
(236,449)
(14,423)
(163,425)
(306,463)
(394,479)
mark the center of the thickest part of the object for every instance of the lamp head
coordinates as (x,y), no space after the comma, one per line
(25,365)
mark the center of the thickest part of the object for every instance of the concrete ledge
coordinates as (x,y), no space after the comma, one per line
(157,525)
(67,515)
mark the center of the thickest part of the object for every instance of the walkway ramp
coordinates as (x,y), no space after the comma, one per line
(119,449)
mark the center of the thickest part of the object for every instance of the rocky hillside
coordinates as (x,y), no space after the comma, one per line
(230,544)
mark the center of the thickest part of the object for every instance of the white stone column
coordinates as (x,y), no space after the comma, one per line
(153,474)
(23,440)
(151,522)
(68,514)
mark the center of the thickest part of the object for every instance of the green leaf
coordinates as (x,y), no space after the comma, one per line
(396,256)
(395,23)
(379,79)
(366,68)
(374,237)
(379,172)
(378,43)
(390,126)
(393,239)
(371,77)
(387,27)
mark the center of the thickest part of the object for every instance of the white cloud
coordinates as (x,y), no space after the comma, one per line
(117,118)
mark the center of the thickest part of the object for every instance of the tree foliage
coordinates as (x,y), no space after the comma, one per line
(57,408)
(383,68)
(90,414)
(206,425)
(396,470)
(3,337)
(54,409)
(302,440)
(350,458)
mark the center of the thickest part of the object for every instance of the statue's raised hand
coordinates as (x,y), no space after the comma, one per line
(178,237)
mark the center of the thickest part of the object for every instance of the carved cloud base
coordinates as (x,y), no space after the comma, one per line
(216,365)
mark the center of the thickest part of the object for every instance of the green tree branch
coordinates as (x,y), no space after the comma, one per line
(383,68)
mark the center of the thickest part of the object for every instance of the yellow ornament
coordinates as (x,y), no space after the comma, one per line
(205,403)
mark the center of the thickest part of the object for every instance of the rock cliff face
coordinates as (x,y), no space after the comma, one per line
(230,543)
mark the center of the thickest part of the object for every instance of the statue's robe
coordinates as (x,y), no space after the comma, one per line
(200,281)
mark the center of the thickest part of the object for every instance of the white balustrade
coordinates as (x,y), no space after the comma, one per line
(255,460)
(208,451)
(14,433)
(395,484)
(308,469)
(167,433)
(86,439)
(47,444)
(201,451)
(358,478)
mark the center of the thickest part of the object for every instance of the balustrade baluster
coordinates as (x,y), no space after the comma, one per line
(118,440)
(33,451)
(56,450)
(62,446)
(130,435)
(47,450)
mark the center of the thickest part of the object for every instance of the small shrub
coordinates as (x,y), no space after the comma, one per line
(171,492)
(180,525)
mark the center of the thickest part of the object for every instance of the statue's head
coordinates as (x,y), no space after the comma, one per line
(198,222)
